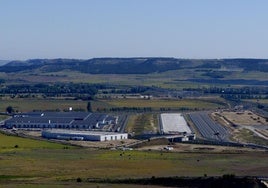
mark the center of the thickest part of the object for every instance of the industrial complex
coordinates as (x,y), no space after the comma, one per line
(68,125)
(92,126)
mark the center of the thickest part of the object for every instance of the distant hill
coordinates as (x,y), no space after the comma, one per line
(134,65)
(3,62)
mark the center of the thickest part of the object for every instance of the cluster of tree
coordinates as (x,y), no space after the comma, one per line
(229,90)
(238,97)
(141,109)
(227,180)
(77,89)
(217,81)
(216,74)
(125,109)
(10,110)
(128,90)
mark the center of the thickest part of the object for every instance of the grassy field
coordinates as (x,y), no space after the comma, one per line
(165,79)
(261,101)
(62,165)
(169,79)
(156,104)
(12,144)
(142,124)
(44,164)
(25,105)
(248,136)
(30,104)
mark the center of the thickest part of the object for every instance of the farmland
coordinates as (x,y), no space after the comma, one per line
(158,104)
(26,105)
(163,72)
(141,97)
(13,144)
(59,104)
(52,164)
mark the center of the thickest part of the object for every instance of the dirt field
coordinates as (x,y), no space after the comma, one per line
(247,118)
(181,147)
(244,126)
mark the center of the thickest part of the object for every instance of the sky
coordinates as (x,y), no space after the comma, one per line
(84,29)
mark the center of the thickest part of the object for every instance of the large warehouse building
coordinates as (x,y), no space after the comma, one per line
(174,124)
(82,135)
(60,120)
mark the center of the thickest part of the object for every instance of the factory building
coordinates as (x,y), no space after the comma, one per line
(175,127)
(82,135)
(173,123)
(60,120)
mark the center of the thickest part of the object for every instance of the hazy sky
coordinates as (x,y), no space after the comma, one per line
(133,28)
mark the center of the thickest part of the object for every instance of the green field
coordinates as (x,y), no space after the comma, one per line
(44,163)
(13,144)
(176,79)
(156,104)
(261,101)
(59,104)
(28,104)
(248,136)
(142,124)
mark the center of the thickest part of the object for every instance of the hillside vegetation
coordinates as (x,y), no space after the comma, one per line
(134,65)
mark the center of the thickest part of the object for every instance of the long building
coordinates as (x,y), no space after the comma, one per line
(174,123)
(82,135)
(60,120)
(175,127)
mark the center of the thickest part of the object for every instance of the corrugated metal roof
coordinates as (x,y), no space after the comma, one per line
(72,118)
(174,122)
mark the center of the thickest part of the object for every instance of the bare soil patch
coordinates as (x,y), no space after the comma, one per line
(246,118)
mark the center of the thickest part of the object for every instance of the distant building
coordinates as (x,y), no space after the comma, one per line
(60,120)
(82,135)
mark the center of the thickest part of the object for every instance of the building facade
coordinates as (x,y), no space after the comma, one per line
(83,135)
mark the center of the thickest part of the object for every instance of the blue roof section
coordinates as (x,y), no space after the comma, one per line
(74,115)
(71,118)
(31,120)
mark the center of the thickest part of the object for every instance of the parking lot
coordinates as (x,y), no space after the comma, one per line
(208,128)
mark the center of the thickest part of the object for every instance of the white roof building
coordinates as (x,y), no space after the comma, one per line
(174,123)
(82,135)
